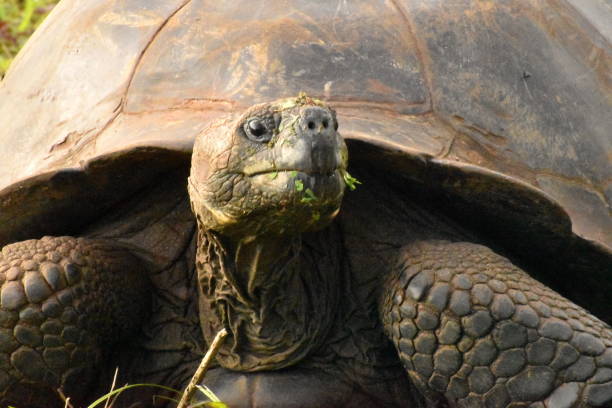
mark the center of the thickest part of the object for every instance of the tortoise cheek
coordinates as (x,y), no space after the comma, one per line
(200,168)
(211,152)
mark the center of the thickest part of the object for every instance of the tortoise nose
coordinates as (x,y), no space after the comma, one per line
(317,121)
(318,127)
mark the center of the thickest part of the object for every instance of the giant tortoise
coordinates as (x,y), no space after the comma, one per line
(480,134)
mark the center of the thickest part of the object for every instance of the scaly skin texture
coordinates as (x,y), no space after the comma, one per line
(63,300)
(472,328)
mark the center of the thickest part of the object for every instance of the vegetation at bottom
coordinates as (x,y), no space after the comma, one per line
(108,400)
(18,20)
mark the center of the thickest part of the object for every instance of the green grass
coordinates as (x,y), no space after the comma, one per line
(107,401)
(18,20)
(213,403)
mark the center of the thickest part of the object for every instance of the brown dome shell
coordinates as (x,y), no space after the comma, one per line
(498,102)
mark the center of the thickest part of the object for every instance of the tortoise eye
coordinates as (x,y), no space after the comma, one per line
(257,131)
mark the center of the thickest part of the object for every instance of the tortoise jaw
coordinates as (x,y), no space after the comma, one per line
(272,173)
(274,203)
(301,186)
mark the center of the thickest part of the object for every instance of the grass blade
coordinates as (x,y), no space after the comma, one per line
(208,392)
(26,18)
(127,387)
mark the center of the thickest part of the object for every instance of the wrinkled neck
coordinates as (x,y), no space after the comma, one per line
(276,295)
(252,264)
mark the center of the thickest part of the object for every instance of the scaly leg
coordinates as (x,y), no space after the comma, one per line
(473,329)
(63,302)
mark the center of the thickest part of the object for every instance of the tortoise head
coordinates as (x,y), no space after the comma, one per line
(277,169)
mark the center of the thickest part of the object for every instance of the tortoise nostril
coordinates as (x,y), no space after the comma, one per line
(317,120)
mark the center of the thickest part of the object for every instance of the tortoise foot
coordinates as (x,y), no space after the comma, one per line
(473,329)
(63,300)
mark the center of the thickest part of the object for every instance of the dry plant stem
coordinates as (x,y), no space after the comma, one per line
(204,364)
(66,400)
(108,401)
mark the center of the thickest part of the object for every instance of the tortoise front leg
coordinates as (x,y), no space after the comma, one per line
(63,301)
(473,329)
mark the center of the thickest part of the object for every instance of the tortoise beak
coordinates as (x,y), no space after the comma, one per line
(317,127)
(312,146)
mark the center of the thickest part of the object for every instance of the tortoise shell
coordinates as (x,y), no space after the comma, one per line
(501,105)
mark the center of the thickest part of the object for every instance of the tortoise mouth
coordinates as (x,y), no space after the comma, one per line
(294,172)
(315,188)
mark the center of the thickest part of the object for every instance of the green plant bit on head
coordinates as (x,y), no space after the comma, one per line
(304,99)
(301,98)
(273,175)
(350,181)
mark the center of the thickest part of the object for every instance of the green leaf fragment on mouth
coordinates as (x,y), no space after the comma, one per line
(309,196)
(273,175)
(350,181)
